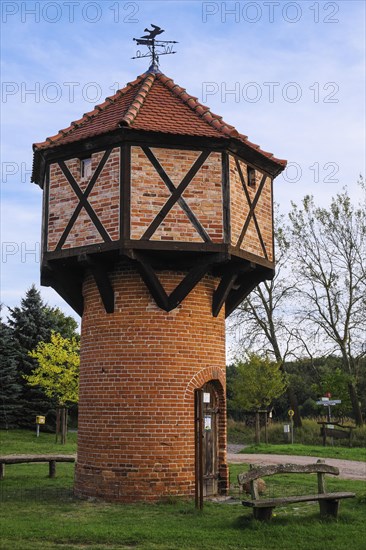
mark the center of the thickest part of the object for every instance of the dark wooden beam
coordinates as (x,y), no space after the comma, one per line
(182,203)
(244,185)
(250,257)
(45,210)
(151,280)
(175,195)
(247,284)
(222,292)
(83,200)
(226,197)
(251,211)
(101,278)
(191,279)
(156,139)
(66,283)
(125,191)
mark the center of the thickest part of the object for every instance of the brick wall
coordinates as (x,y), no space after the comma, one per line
(240,209)
(139,369)
(149,194)
(104,199)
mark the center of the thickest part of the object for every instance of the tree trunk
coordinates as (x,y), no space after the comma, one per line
(58,412)
(292,400)
(295,407)
(257,429)
(265,428)
(355,404)
(63,425)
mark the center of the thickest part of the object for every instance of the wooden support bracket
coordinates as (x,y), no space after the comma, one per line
(102,281)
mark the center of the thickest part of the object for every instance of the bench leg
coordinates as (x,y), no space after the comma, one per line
(52,468)
(328,508)
(2,470)
(262,514)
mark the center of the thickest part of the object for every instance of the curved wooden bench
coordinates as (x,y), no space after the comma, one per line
(263,507)
(21,459)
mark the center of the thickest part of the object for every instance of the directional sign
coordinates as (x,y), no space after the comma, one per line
(329,403)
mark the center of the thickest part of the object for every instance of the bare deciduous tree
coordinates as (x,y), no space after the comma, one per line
(328,247)
(264,321)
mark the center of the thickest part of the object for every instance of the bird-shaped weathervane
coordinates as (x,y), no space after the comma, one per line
(156,47)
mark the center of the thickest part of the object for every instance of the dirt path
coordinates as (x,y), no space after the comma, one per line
(348,469)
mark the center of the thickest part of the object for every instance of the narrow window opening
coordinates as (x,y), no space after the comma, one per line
(86,168)
(251,177)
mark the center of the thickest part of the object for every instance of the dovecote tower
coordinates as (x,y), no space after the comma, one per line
(157,223)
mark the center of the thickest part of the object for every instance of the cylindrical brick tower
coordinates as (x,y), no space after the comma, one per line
(157,222)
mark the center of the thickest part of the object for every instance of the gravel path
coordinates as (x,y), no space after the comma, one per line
(348,469)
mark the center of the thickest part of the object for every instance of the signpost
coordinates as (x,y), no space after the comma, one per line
(39,420)
(327,402)
(291,415)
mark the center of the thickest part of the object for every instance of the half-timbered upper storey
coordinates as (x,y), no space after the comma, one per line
(153,176)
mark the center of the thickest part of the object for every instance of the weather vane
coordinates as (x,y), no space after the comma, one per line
(156,47)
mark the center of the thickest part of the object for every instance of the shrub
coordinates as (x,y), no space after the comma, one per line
(309,434)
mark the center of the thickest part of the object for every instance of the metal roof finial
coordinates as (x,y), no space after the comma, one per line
(156,47)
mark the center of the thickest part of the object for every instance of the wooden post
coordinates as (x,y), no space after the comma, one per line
(63,425)
(257,429)
(52,468)
(2,470)
(199,450)
(265,428)
(324,432)
(328,508)
(196,435)
(254,485)
(321,479)
(57,423)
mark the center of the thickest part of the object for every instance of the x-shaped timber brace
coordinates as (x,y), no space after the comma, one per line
(251,213)
(237,280)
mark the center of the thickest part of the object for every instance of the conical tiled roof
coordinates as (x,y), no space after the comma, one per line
(152,102)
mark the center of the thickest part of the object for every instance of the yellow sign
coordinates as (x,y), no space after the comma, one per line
(291,412)
(40,419)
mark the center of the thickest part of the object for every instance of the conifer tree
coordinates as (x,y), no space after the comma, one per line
(31,323)
(10,388)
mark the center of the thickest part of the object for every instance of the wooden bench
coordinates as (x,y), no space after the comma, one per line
(263,507)
(21,459)
(336,431)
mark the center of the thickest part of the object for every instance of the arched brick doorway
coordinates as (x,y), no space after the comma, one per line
(210,438)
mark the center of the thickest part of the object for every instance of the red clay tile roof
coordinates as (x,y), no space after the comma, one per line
(152,102)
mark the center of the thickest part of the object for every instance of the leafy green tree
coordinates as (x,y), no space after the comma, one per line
(336,382)
(31,323)
(9,386)
(257,383)
(61,323)
(57,374)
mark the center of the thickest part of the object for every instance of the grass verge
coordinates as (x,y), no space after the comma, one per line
(26,442)
(344,453)
(37,512)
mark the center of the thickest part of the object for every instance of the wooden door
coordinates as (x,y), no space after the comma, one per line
(207,472)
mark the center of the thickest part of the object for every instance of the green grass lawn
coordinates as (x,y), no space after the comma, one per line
(344,453)
(25,442)
(41,513)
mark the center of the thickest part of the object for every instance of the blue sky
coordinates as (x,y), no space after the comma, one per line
(290,75)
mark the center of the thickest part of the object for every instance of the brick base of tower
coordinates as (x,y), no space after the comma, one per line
(140,367)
